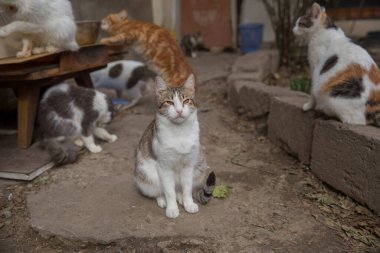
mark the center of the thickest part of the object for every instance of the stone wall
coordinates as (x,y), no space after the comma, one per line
(347,157)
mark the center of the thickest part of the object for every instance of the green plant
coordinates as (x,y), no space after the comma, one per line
(283,15)
(301,83)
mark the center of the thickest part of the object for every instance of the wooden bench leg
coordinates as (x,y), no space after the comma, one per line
(27,107)
(84,80)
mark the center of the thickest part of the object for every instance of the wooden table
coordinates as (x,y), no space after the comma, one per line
(28,75)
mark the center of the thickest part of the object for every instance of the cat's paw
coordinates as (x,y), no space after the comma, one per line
(52,49)
(307,106)
(38,50)
(112,138)
(191,207)
(172,212)
(95,149)
(22,54)
(106,41)
(161,202)
(79,143)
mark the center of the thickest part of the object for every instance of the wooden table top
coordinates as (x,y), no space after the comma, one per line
(60,63)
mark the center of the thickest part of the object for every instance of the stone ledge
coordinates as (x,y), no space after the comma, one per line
(255,97)
(255,66)
(347,157)
(290,128)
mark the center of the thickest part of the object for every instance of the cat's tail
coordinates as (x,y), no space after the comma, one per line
(61,150)
(204,195)
(73,46)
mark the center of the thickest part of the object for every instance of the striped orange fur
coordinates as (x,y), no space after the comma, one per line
(153,42)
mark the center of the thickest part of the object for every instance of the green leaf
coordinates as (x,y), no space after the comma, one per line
(221,191)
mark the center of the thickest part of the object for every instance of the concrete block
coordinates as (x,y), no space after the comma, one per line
(255,98)
(290,128)
(347,157)
(255,76)
(233,91)
(269,58)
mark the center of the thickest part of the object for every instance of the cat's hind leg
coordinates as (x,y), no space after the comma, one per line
(350,111)
(147,180)
(134,94)
(26,50)
(102,134)
(90,144)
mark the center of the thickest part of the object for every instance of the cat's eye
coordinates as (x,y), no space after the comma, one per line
(12,8)
(188,101)
(167,103)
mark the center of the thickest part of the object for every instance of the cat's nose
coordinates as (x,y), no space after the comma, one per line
(179,111)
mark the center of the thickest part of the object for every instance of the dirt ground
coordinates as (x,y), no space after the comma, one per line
(275,205)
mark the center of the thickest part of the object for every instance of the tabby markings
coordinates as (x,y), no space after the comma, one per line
(305,21)
(329,64)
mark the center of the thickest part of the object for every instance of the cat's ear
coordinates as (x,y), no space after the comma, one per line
(123,15)
(160,84)
(190,83)
(315,10)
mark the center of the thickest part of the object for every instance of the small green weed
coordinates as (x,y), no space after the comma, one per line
(300,83)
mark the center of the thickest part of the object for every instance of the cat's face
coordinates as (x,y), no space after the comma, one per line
(314,19)
(10,7)
(176,104)
(108,22)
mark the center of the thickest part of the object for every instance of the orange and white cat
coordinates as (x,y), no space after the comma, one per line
(345,79)
(153,42)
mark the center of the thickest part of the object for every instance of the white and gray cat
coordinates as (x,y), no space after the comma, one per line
(124,76)
(192,43)
(70,116)
(41,25)
(169,160)
(345,79)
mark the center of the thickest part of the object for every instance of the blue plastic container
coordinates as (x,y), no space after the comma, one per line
(251,36)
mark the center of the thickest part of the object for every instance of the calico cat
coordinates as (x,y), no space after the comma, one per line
(69,113)
(169,160)
(192,43)
(124,75)
(43,25)
(156,44)
(345,79)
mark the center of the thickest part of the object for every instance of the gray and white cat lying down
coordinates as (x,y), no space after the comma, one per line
(124,76)
(70,116)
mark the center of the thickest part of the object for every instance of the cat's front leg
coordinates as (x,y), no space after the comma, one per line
(167,179)
(90,144)
(113,41)
(186,178)
(310,104)
(101,133)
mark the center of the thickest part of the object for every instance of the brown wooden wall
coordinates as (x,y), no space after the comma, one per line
(210,17)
